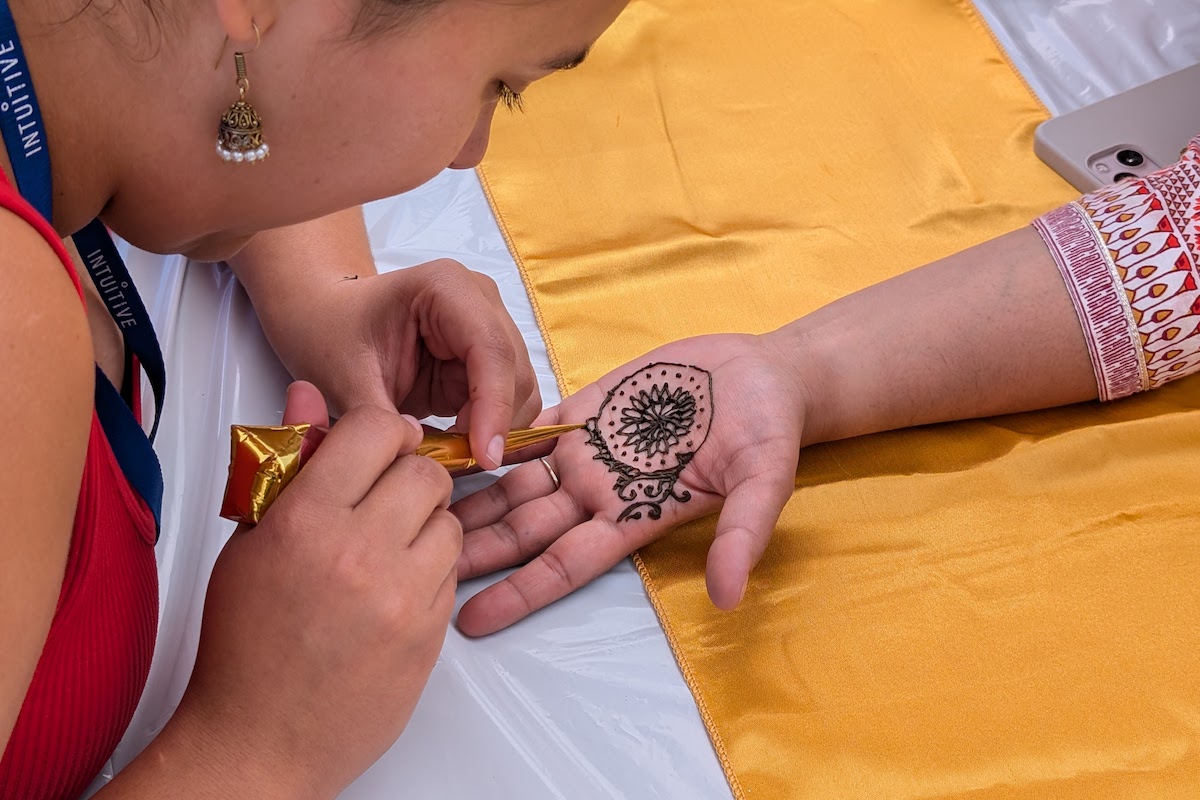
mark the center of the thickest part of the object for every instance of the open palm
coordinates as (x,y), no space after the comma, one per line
(675,435)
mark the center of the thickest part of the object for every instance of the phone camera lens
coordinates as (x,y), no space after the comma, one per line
(1123,176)
(1131,158)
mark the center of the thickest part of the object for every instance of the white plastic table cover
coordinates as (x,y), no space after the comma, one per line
(582,700)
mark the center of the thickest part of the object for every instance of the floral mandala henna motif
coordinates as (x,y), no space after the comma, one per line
(648,429)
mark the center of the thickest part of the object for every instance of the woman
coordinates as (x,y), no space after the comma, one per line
(1098,299)
(321,625)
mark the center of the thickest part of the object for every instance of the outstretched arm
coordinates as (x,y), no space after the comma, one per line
(1098,299)
(990,330)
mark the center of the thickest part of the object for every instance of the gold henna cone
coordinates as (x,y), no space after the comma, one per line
(264,459)
(452,450)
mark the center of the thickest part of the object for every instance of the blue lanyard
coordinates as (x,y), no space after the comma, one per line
(111,277)
(25,139)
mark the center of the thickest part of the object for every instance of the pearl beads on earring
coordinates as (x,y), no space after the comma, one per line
(238,156)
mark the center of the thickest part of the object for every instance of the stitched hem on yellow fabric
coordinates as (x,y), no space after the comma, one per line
(977,19)
(690,679)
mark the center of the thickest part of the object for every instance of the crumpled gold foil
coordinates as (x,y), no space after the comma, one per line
(264,459)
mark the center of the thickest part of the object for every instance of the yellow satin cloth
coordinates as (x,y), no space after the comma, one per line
(998,609)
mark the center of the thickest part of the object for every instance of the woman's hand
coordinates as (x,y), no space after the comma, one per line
(322,624)
(433,339)
(701,425)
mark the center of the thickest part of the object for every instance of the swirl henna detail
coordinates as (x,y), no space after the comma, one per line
(648,429)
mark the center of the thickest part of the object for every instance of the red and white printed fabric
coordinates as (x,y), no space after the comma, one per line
(1129,254)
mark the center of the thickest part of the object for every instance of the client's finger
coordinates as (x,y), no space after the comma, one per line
(488,506)
(579,557)
(519,536)
(743,531)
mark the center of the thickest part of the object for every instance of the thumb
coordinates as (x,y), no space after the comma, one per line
(744,528)
(305,404)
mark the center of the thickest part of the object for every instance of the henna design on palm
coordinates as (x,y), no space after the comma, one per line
(648,429)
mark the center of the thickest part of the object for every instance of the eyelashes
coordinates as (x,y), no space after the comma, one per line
(511,100)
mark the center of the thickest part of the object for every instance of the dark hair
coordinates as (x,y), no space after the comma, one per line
(374,16)
(156,18)
(377,16)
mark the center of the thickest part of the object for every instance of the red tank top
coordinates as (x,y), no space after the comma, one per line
(96,658)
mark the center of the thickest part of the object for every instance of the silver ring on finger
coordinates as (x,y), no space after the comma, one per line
(551,472)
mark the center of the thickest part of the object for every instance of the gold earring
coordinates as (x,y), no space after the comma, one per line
(240,137)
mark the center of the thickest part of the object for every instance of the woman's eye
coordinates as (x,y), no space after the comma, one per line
(511,100)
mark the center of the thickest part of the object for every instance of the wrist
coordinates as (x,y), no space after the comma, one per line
(314,326)
(290,272)
(282,301)
(212,761)
(806,352)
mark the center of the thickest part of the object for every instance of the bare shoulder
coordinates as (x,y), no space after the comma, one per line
(46,360)
(39,308)
(45,416)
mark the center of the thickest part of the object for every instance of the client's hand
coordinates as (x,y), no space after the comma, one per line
(693,426)
(322,624)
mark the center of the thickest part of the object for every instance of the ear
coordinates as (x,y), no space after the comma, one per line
(239,17)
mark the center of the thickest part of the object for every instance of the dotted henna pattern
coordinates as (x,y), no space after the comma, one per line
(648,429)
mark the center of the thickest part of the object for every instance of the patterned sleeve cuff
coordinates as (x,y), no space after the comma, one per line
(1128,254)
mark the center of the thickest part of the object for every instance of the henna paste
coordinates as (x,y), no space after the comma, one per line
(648,429)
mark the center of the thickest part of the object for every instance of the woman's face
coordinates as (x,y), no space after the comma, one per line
(349,119)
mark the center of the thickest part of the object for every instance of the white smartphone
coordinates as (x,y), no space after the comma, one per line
(1128,135)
